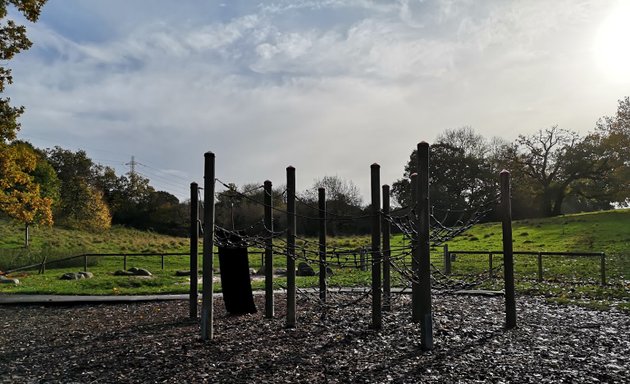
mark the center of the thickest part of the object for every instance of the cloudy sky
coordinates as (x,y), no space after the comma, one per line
(328,86)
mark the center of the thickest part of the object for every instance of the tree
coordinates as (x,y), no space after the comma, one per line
(20,195)
(343,201)
(462,175)
(82,204)
(13,40)
(84,208)
(612,137)
(557,162)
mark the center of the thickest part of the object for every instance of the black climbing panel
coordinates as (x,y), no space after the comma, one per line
(235,282)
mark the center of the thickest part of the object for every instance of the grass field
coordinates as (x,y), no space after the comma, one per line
(566,278)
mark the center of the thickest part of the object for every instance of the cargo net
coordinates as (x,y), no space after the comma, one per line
(353,262)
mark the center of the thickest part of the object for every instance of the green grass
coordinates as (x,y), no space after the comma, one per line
(607,232)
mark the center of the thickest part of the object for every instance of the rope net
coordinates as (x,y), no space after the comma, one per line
(444,226)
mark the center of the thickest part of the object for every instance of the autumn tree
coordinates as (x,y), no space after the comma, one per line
(82,205)
(20,195)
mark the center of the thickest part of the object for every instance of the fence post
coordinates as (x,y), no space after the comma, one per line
(447,260)
(85,263)
(424,247)
(490,265)
(268,250)
(540,267)
(322,243)
(508,256)
(207,311)
(125,262)
(603,267)
(291,231)
(386,230)
(362,259)
(194,250)
(377,315)
(162,261)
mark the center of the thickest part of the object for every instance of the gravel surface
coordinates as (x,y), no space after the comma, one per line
(156,342)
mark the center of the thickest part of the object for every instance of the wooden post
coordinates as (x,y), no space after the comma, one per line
(508,255)
(162,262)
(193,295)
(269,312)
(377,315)
(27,237)
(362,265)
(291,230)
(424,247)
(603,267)
(125,262)
(540,267)
(415,254)
(447,260)
(386,229)
(490,266)
(322,244)
(85,263)
(207,312)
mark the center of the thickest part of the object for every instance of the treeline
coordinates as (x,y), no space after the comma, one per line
(69,189)
(554,171)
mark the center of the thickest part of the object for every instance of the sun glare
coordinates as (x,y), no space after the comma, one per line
(612,44)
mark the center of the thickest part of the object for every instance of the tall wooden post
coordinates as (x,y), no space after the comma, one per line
(291,230)
(207,312)
(377,315)
(194,249)
(268,250)
(508,255)
(415,254)
(322,244)
(386,229)
(424,247)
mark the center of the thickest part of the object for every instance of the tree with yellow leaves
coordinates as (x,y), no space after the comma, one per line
(20,196)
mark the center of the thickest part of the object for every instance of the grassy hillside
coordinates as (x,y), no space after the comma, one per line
(593,232)
(607,231)
(59,240)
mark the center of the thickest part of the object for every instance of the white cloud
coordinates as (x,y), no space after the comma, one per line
(347,84)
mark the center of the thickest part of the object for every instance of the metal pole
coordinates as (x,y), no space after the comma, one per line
(508,255)
(291,230)
(540,267)
(386,229)
(268,251)
(490,262)
(415,254)
(162,262)
(194,250)
(85,263)
(377,315)
(125,262)
(424,207)
(322,243)
(207,312)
